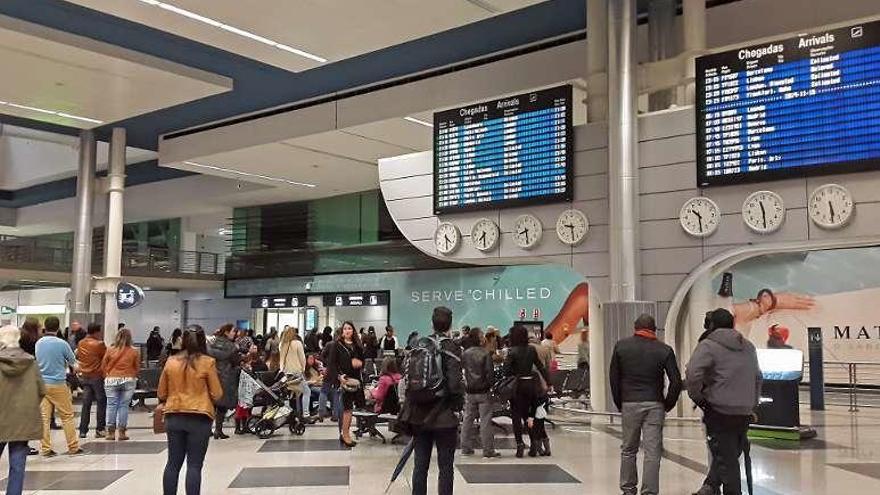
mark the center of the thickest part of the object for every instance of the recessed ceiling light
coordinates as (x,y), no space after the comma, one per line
(232,29)
(50,112)
(417,121)
(248,174)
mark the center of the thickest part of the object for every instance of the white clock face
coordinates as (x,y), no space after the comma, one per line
(831,206)
(484,234)
(527,231)
(446,238)
(764,212)
(572,227)
(700,217)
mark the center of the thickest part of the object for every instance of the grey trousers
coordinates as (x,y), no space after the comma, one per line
(642,426)
(478,405)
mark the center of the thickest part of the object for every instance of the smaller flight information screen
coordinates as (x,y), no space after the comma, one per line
(806,105)
(507,152)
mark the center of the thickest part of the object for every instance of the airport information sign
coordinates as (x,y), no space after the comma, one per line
(507,152)
(806,105)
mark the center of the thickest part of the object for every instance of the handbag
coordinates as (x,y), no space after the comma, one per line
(159,419)
(351,385)
(504,389)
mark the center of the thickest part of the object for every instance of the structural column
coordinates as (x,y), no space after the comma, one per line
(694,25)
(597,60)
(623,162)
(661,33)
(81,275)
(113,242)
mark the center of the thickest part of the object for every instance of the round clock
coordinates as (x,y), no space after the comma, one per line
(572,227)
(484,234)
(764,212)
(446,238)
(831,206)
(527,231)
(700,217)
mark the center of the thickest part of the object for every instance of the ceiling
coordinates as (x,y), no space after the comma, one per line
(331,29)
(65,79)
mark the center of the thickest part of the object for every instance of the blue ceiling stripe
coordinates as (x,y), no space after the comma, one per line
(135,174)
(258,86)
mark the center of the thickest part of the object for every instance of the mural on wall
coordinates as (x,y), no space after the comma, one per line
(776,298)
(477,296)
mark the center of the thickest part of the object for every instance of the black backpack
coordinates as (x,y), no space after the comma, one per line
(425,381)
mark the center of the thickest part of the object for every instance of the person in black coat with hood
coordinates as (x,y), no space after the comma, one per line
(223,349)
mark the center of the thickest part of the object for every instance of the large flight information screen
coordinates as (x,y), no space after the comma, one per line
(507,152)
(806,105)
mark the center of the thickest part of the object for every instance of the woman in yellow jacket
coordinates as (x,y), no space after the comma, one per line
(188,388)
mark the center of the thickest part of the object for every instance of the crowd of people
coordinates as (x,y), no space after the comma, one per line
(445,388)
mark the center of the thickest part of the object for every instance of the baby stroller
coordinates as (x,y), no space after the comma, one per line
(276,410)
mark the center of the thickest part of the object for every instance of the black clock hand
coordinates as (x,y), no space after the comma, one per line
(483,239)
(448,240)
(525,233)
(763,214)
(831,207)
(699,219)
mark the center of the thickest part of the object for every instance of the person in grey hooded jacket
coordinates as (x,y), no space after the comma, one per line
(723,379)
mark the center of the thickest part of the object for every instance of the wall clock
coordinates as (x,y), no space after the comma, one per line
(485,234)
(831,206)
(764,212)
(527,231)
(572,227)
(446,238)
(700,217)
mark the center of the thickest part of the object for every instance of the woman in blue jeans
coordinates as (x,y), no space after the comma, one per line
(121,366)
(22,390)
(188,389)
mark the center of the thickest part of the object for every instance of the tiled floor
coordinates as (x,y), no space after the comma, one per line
(844,459)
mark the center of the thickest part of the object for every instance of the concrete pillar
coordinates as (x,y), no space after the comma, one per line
(661,35)
(597,60)
(113,242)
(694,25)
(623,160)
(81,275)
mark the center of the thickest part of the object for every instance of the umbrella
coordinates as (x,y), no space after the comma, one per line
(404,458)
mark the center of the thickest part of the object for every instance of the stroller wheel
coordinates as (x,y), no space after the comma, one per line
(263,430)
(252,423)
(297,428)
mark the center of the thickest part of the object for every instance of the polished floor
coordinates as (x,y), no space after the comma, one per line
(844,459)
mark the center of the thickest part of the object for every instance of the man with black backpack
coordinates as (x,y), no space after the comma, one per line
(434,393)
(479,375)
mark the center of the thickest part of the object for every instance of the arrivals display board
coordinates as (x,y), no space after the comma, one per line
(806,105)
(507,152)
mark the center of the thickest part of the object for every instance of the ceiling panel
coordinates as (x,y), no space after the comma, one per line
(412,136)
(83,79)
(353,146)
(332,29)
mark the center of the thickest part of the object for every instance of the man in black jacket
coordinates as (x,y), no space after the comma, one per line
(479,373)
(637,368)
(435,423)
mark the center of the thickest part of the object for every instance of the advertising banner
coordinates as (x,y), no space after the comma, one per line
(779,299)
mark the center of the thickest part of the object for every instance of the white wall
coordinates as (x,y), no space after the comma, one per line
(213,311)
(361,316)
(160,308)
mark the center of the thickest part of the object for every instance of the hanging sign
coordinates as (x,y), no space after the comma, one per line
(128,295)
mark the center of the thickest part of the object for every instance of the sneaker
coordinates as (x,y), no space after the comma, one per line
(78,451)
(467,452)
(33,451)
(83,435)
(48,454)
(491,455)
(100,434)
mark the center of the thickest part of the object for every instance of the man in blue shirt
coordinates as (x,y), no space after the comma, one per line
(55,357)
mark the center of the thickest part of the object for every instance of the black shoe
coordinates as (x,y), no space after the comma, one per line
(533,450)
(520,450)
(54,426)
(491,455)
(33,451)
(348,445)
(83,435)
(545,447)
(219,435)
(49,453)
(467,451)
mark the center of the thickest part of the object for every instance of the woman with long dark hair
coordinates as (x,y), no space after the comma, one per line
(188,388)
(346,361)
(223,349)
(522,362)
